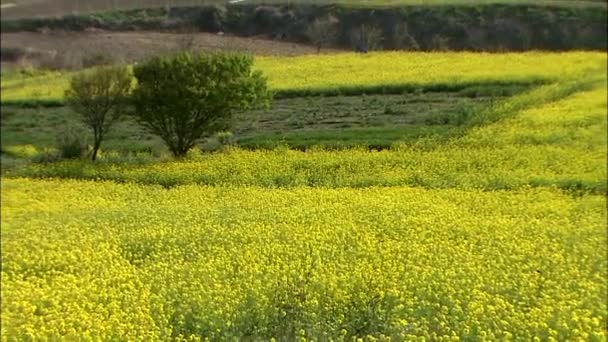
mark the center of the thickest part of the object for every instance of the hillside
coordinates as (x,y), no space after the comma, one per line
(13,9)
(516,26)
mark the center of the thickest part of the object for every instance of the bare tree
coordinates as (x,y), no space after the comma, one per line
(401,38)
(367,38)
(322,32)
(99,96)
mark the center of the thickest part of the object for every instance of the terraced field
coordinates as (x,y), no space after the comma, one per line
(496,231)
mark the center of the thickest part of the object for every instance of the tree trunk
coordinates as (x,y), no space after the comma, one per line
(96,145)
(95,149)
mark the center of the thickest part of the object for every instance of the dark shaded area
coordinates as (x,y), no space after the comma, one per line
(425,28)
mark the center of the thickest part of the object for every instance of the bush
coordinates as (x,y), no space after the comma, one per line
(225,138)
(46,157)
(187,97)
(70,144)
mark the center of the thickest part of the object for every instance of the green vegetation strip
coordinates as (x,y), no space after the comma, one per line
(379,89)
(551,142)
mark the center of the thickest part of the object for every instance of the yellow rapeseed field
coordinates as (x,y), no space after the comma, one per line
(103,261)
(351,70)
(498,233)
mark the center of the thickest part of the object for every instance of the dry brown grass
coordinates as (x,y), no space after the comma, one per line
(53,8)
(132,46)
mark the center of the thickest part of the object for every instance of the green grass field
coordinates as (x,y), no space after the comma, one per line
(371,120)
(490,228)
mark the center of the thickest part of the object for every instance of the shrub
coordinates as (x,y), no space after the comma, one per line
(186,97)
(70,144)
(225,138)
(99,97)
(46,157)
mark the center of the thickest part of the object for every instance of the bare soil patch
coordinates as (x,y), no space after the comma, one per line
(58,8)
(133,46)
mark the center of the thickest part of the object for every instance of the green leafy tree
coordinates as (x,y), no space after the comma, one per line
(100,97)
(186,97)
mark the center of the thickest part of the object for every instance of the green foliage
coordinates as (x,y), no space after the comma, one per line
(47,156)
(186,97)
(225,138)
(560,144)
(70,144)
(99,97)
(20,151)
